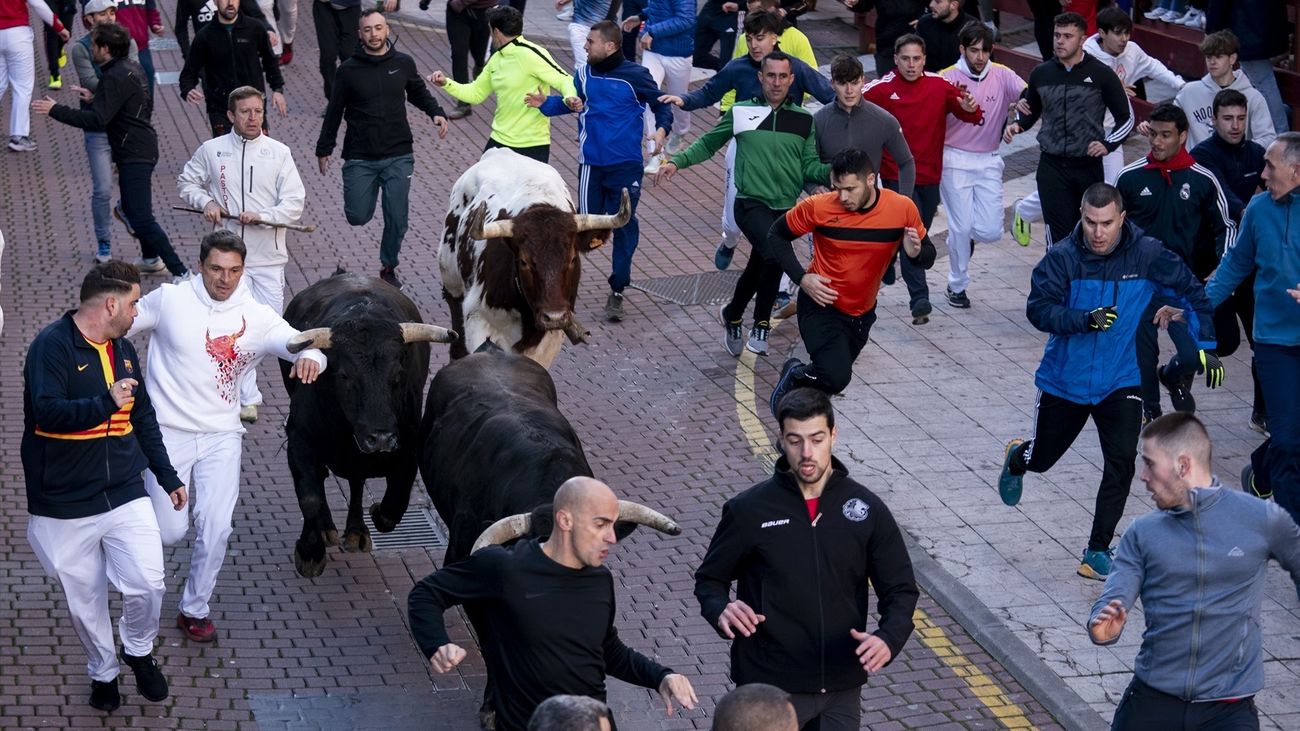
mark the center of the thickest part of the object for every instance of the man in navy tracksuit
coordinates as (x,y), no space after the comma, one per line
(1090,293)
(614,93)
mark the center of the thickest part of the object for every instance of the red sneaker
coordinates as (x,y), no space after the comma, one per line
(198,630)
(286,56)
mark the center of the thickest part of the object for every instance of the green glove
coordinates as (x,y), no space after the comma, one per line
(1213,368)
(1102,318)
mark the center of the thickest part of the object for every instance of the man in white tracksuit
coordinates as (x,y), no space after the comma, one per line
(206,332)
(971,186)
(252,178)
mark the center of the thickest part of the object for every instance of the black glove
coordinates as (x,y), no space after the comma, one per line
(1213,368)
(1102,318)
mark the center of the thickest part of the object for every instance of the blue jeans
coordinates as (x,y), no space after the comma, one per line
(600,190)
(1277,461)
(135,183)
(101,185)
(363,181)
(1261,74)
(146,63)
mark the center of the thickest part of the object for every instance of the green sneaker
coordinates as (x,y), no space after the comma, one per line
(1019,227)
(1010,485)
(1097,564)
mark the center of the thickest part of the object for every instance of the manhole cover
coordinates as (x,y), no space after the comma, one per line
(705,288)
(419,528)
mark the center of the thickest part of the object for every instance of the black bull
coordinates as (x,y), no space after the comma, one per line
(360,418)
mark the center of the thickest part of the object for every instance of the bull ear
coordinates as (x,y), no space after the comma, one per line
(418,332)
(317,337)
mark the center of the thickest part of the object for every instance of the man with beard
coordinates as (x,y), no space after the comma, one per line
(230,53)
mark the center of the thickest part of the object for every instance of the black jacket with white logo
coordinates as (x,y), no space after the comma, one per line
(1073,103)
(228,57)
(809,578)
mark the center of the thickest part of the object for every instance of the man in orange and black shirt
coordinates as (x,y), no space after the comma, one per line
(856,230)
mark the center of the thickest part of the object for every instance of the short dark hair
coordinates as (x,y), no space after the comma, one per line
(908,39)
(1229,98)
(1073,19)
(113,277)
(1180,432)
(569,713)
(802,404)
(1220,43)
(764,22)
(974,33)
(369,12)
(851,161)
(777,56)
(240,94)
(1112,19)
(1100,195)
(1169,112)
(506,19)
(846,67)
(753,707)
(608,31)
(113,37)
(222,240)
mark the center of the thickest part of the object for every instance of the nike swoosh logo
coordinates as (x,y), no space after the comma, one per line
(393,71)
(534,596)
(81,368)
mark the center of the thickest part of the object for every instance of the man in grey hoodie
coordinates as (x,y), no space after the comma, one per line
(1197,98)
(1198,563)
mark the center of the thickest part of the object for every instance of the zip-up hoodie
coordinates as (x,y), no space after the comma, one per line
(615,94)
(371,93)
(201,346)
(1268,244)
(228,58)
(1083,365)
(121,107)
(740,77)
(810,578)
(1238,168)
(1197,99)
(518,68)
(1199,571)
(922,107)
(255,175)
(868,128)
(82,454)
(671,26)
(1073,103)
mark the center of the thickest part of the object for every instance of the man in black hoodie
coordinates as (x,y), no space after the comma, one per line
(232,52)
(803,547)
(370,91)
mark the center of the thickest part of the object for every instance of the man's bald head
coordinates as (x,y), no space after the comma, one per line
(755,707)
(577,494)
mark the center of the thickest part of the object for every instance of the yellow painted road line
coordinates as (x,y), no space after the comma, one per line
(984,688)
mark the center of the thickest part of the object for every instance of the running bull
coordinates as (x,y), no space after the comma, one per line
(361,420)
(509,256)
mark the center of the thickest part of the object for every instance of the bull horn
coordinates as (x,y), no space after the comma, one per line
(593,222)
(503,531)
(480,231)
(418,332)
(630,512)
(317,337)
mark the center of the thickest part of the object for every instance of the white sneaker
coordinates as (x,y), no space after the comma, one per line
(1155,14)
(1193,18)
(652,166)
(248,414)
(22,144)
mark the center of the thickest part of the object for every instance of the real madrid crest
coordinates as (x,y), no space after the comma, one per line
(855,510)
(1185,192)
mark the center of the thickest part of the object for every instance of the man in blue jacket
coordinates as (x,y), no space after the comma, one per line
(89,432)
(1268,245)
(1198,564)
(667,45)
(615,93)
(1090,293)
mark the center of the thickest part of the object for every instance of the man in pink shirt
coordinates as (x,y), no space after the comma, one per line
(971,185)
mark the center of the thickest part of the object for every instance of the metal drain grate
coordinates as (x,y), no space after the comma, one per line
(705,288)
(420,528)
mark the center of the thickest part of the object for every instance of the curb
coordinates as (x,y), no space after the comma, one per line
(1040,681)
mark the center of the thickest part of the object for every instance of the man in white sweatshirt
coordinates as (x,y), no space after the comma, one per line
(206,332)
(1197,98)
(243,181)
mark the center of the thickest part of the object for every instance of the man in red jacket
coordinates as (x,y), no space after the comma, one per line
(921,102)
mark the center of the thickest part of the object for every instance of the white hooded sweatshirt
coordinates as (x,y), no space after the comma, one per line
(247,175)
(1197,100)
(199,349)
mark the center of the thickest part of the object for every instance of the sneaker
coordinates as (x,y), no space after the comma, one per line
(1010,485)
(119,215)
(1248,484)
(286,55)
(22,144)
(149,679)
(921,312)
(198,630)
(1180,391)
(614,307)
(103,253)
(781,302)
(248,413)
(758,338)
(152,265)
(566,13)
(958,300)
(733,338)
(104,695)
(789,310)
(1189,18)
(56,83)
(1096,564)
(790,371)
(722,256)
(676,143)
(1150,412)
(389,274)
(1019,226)
(1155,14)
(1259,423)
(652,166)
(460,111)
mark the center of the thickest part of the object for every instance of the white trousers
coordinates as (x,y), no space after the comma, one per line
(83,555)
(578,41)
(208,464)
(288,20)
(1031,206)
(267,286)
(673,75)
(971,192)
(18,71)
(730,231)
(268,10)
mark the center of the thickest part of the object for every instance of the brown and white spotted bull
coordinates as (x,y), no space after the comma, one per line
(509,256)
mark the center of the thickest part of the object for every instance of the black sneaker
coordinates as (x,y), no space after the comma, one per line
(790,371)
(105,696)
(614,307)
(1249,485)
(149,679)
(958,300)
(1180,391)
(389,274)
(1150,412)
(921,312)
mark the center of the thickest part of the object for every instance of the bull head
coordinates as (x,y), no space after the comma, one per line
(504,228)
(412,332)
(516,526)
